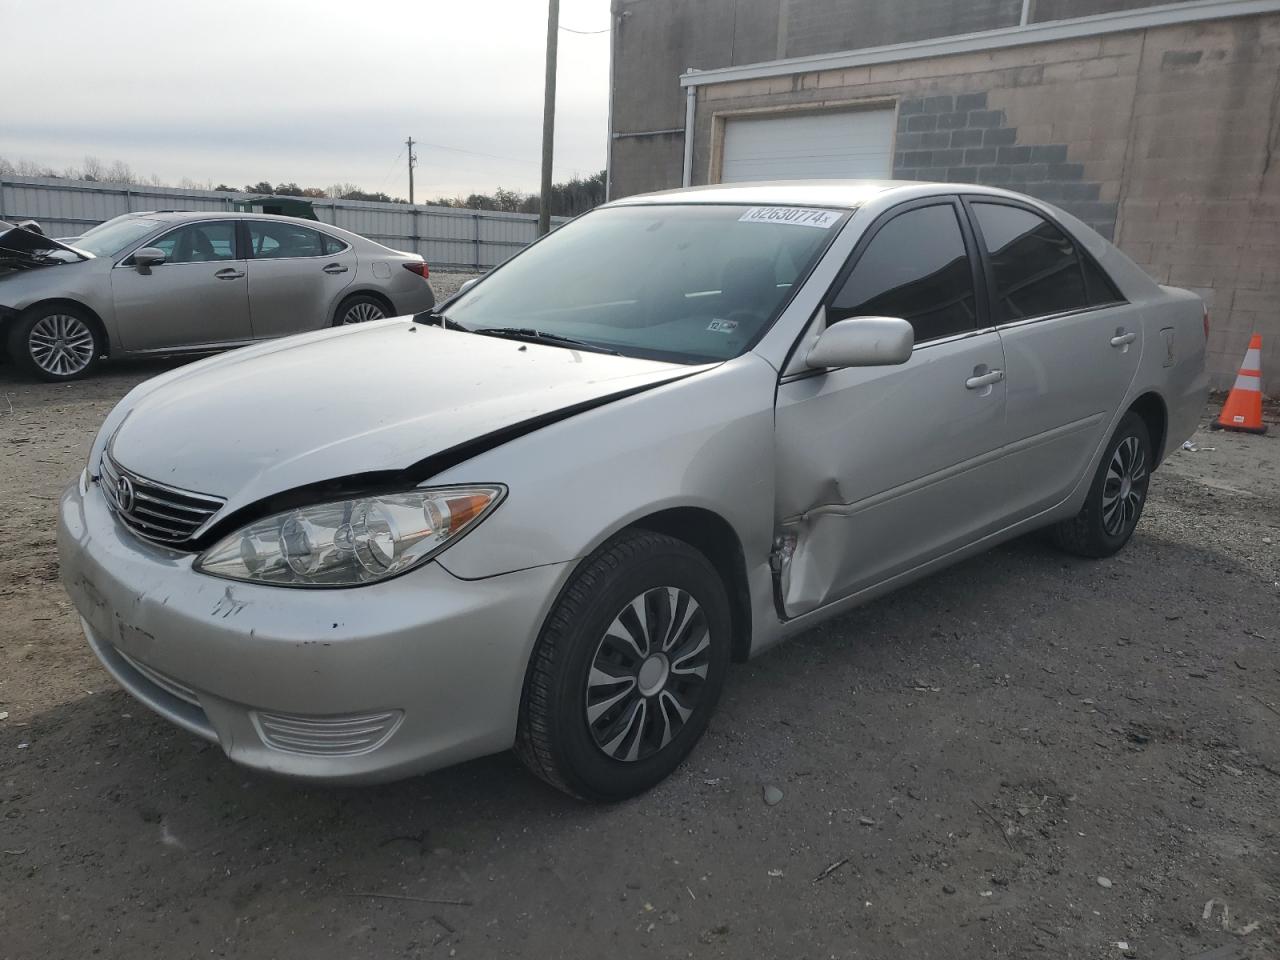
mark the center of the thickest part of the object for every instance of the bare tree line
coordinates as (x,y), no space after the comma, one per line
(570,198)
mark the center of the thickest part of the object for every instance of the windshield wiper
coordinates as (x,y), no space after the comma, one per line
(433,318)
(539,336)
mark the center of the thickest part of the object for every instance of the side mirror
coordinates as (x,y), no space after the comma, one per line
(148,257)
(863,342)
(468,284)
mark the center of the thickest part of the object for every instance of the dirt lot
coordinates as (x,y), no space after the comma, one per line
(1027,756)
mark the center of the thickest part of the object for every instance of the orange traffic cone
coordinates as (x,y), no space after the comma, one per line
(1243,409)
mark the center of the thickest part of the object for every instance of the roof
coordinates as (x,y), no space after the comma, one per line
(826,193)
(840,194)
(177,216)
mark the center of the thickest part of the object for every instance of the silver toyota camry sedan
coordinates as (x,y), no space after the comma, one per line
(680,429)
(182,283)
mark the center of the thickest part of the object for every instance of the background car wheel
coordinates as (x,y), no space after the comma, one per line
(56,343)
(360,309)
(628,669)
(1116,498)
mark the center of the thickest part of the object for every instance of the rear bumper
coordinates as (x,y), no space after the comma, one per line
(355,685)
(417,300)
(1188,397)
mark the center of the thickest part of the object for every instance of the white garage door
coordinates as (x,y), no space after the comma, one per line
(808,146)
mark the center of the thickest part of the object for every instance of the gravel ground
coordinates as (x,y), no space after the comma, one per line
(1029,755)
(446,284)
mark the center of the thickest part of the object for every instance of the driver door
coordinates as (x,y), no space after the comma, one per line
(198,297)
(882,469)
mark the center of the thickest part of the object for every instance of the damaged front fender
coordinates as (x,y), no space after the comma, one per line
(25,248)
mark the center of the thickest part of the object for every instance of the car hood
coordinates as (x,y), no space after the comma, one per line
(386,398)
(23,249)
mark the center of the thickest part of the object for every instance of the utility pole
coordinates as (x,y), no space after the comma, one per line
(413,162)
(549,117)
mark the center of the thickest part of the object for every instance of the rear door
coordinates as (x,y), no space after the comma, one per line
(881,469)
(197,297)
(1071,344)
(296,275)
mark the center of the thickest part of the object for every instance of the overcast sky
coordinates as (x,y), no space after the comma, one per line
(317,92)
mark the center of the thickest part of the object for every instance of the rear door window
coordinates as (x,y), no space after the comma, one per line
(1038,269)
(272,240)
(916,268)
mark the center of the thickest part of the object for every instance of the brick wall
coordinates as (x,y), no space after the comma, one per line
(1160,139)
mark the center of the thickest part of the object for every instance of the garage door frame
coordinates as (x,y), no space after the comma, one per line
(720,119)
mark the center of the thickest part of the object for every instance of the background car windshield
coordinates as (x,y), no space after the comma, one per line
(113,236)
(689,283)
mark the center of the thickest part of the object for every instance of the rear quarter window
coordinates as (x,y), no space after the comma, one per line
(333,245)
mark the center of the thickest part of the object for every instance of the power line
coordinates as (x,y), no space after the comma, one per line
(474,153)
(391,170)
(585,33)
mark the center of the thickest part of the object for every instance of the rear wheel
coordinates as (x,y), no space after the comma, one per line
(628,669)
(56,343)
(1116,497)
(359,309)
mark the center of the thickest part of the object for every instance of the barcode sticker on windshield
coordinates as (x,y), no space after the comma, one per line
(794,216)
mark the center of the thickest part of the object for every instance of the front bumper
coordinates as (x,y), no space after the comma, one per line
(347,685)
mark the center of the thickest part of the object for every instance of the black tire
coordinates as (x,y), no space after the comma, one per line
(56,343)
(358,304)
(555,739)
(1097,531)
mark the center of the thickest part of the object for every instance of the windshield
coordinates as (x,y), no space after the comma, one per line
(108,239)
(690,283)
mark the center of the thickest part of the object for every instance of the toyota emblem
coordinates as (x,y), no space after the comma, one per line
(124,495)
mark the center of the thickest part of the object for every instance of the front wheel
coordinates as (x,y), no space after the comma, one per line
(628,669)
(1116,497)
(56,343)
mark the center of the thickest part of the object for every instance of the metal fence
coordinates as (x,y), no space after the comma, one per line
(443,236)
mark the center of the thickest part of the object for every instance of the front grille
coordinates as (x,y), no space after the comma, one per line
(326,736)
(153,510)
(167,684)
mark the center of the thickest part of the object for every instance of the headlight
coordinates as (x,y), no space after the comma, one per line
(350,542)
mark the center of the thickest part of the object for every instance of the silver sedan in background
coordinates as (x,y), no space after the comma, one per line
(174,283)
(670,435)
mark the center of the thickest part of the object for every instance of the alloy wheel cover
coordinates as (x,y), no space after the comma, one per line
(648,674)
(61,344)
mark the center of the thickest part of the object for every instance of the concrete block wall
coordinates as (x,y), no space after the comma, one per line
(654,41)
(1200,205)
(960,139)
(1160,139)
(818,26)
(648,163)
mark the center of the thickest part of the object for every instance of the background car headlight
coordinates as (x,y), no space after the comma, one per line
(350,542)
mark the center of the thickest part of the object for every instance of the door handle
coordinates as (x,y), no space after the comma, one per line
(1122,339)
(229,273)
(984,380)
(335,268)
